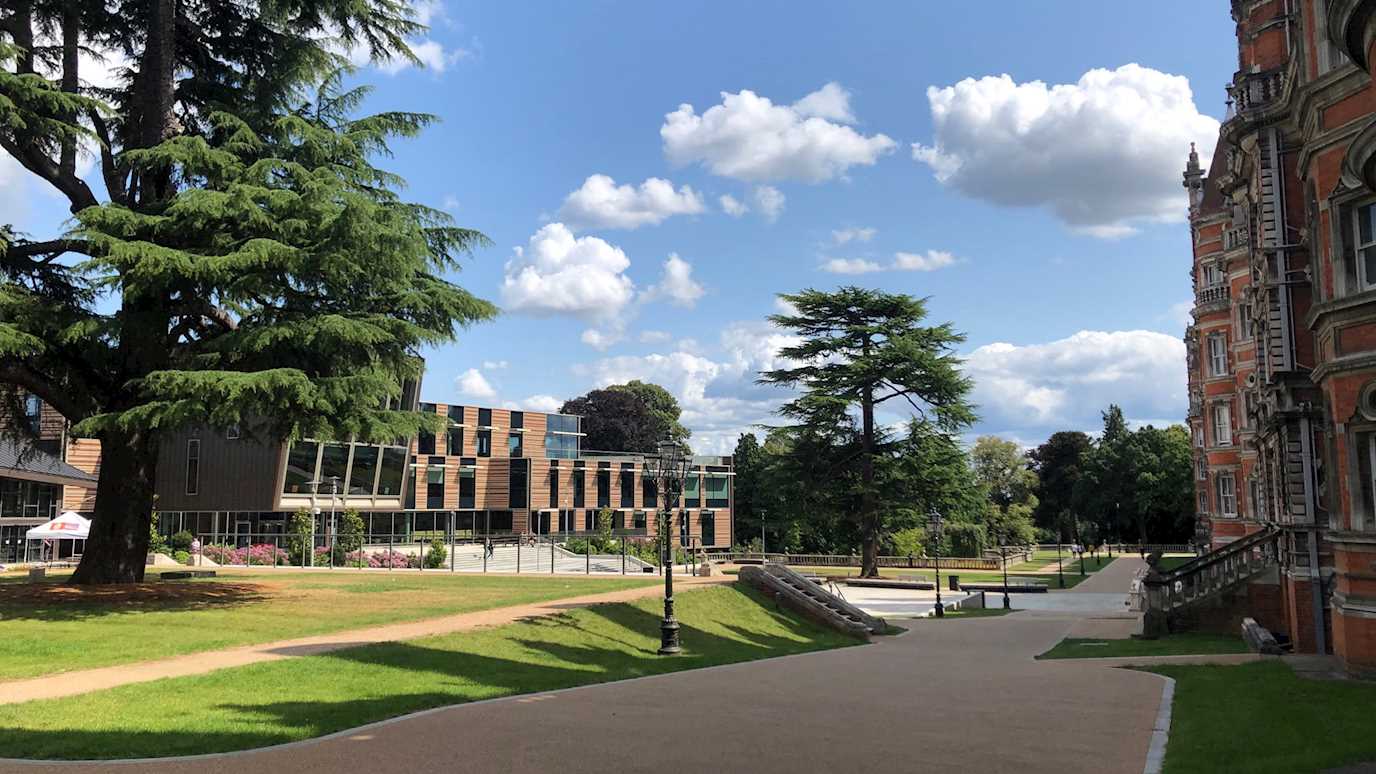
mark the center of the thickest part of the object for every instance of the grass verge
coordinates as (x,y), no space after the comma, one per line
(1263,719)
(47,628)
(1184,644)
(300,698)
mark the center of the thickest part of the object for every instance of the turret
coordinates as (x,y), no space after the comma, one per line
(1194,179)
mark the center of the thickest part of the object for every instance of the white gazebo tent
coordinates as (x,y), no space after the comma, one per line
(68,526)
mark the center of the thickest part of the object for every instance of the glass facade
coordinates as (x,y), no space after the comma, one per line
(692,498)
(578,497)
(709,528)
(627,489)
(334,464)
(434,488)
(455,440)
(484,443)
(300,467)
(514,445)
(363,471)
(393,471)
(519,482)
(468,488)
(604,489)
(718,495)
(561,439)
(28,499)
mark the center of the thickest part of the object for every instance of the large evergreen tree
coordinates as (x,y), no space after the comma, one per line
(862,349)
(1057,464)
(247,264)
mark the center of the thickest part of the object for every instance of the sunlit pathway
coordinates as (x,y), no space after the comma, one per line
(954,695)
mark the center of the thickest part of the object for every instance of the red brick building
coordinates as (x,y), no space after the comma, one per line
(1282,350)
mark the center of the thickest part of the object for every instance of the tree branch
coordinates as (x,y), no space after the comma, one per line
(43,387)
(51,248)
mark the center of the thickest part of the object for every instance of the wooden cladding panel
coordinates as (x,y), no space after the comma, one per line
(494,484)
(82,454)
(536,425)
(539,483)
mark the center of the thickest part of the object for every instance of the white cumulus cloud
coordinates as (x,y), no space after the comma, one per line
(769,201)
(851,266)
(601,203)
(601,339)
(1102,154)
(1064,384)
(844,235)
(732,206)
(559,273)
(748,137)
(473,384)
(677,285)
(928,261)
(546,404)
(655,337)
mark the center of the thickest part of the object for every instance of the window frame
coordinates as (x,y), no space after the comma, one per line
(1227,501)
(1363,282)
(1218,361)
(193,467)
(1221,416)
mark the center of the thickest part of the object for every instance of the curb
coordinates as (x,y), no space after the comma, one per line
(1161,730)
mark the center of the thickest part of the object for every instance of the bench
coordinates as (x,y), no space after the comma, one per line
(187,574)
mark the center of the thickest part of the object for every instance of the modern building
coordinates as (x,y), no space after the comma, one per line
(1282,348)
(491,471)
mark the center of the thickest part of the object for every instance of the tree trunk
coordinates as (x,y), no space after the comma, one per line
(869,521)
(118,547)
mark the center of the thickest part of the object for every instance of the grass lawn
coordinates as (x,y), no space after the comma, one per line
(305,697)
(1262,719)
(1184,644)
(48,627)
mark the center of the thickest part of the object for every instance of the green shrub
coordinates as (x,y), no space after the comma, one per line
(181,541)
(435,559)
(909,542)
(182,557)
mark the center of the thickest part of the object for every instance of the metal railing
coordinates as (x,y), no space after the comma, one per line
(851,560)
(523,553)
(1164,591)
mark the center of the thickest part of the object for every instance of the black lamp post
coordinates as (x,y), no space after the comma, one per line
(1060,576)
(934,520)
(668,467)
(1003,556)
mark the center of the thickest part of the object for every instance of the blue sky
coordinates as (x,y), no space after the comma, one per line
(1044,219)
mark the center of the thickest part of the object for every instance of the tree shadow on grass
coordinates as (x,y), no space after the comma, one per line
(58,602)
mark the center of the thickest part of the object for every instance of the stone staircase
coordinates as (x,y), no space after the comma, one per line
(1167,598)
(806,597)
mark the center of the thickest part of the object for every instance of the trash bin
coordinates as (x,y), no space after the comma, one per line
(953,582)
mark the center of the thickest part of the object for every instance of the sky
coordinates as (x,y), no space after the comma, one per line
(653,175)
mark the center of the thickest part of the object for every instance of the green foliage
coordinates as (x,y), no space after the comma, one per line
(157,544)
(963,539)
(909,542)
(1058,465)
(1002,469)
(300,532)
(859,350)
(350,531)
(1136,486)
(632,417)
(181,541)
(182,557)
(434,559)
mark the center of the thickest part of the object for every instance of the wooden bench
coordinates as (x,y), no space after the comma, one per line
(186,574)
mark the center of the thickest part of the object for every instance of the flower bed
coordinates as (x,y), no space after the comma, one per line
(264,554)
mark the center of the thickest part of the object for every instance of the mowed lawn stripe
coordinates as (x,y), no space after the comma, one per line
(49,628)
(284,701)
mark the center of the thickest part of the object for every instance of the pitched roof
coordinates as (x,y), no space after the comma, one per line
(1213,200)
(18,460)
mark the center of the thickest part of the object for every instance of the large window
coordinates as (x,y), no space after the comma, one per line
(1227,494)
(709,528)
(604,489)
(425,443)
(468,488)
(649,491)
(717,492)
(334,464)
(578,489)
(518,420)
(484,443)
(300,467)
(193,466)
(561,441)
(363,470)
(456,415)
(455,448)
(33,412)
(514,445)
(1223,425)
(434,488)
(1365,236)
(1218,354)
(567,522)
(519,479)
(393,471)
(484,417)
(554,487)
(692,497)
(627,489)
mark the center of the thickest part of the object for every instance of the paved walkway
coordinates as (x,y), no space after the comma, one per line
(955,695)
(87,680)
(1115,578)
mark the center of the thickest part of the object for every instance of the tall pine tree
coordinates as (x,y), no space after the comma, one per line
(249,264)
(861,349)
